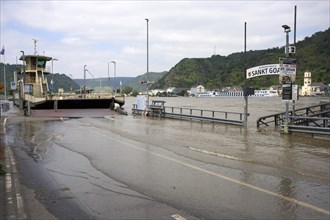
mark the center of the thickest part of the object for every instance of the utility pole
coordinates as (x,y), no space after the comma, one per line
(114,76)
(286,122)
(246,96)
(84,90)
(147,60)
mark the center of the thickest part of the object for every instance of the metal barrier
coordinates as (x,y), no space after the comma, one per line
(312,125)
(4,107)
(313,120)
(158,109)
(204,115)
(309,129)
(310,111)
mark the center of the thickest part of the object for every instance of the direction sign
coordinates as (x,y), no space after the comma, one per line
(287,60)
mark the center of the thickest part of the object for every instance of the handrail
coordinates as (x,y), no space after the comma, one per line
(279,117)
(204,115)
(204,110)
(182,113)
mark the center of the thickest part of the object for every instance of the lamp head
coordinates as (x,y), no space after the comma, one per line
(286,28)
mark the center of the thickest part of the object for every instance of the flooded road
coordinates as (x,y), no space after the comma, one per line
(135,167)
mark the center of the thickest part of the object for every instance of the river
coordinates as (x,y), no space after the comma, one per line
(190,169)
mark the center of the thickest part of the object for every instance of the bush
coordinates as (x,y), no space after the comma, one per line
(2,171)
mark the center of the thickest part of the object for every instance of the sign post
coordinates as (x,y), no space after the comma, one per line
(286,82)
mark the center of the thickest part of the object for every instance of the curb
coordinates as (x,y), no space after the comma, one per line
(13,203)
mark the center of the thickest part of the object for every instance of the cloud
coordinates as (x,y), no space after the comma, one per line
(94,33)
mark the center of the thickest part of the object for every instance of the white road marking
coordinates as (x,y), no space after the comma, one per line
(13,186)
(177,217)
(289,199)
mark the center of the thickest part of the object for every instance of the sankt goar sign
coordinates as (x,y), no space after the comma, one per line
(272,69)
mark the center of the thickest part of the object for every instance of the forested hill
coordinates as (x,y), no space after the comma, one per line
(312,54)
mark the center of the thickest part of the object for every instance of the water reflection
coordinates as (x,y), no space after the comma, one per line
(266,158)
(287,209)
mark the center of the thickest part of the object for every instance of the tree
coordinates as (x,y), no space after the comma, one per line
(127,89)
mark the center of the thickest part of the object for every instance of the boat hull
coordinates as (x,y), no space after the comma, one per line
(105,103)
(76,108)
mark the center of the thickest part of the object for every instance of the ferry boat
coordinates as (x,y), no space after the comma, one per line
(257,93)
(265,93)
(31,93)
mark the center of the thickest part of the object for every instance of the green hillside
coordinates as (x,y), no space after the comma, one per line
(313,55)
(134,83)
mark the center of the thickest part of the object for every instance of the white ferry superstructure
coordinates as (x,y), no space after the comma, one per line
(257,93)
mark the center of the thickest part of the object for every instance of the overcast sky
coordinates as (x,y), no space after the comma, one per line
(94,33)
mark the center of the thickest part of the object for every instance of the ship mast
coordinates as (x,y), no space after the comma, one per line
(35,46)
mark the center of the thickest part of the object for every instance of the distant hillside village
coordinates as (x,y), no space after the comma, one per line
(307,89)
(217,74)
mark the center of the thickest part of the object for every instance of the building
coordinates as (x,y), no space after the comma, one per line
(318,88)
(306,89)
(197,89)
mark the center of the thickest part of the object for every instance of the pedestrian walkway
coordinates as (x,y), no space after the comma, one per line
(11,204)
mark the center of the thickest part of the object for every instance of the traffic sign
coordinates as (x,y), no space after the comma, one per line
(292,49)
(287,91)
(287,60)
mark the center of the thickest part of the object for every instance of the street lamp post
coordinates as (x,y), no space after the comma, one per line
(147,20)
(109,77)
(52,82)
(70,83)
(84,91)
(286,122)
(114,76)
(54,59)
(22,88)
(286,31)
(93,79)
(246,97)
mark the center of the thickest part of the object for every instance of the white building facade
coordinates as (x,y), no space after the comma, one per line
(306,89)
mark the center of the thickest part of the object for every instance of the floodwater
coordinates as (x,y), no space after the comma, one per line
(134,167)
